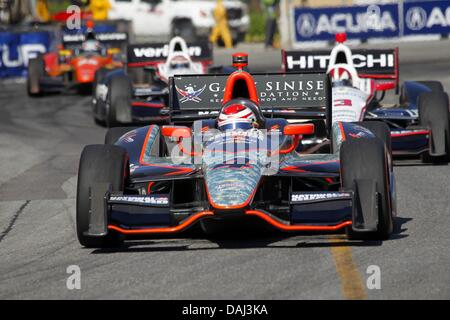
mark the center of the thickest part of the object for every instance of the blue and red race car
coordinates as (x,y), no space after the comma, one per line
(230,154)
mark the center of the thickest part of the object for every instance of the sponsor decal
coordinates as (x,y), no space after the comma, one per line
(163,52)
(319,61)
(102,37)
(25,52)
(416,18)
(145,200)
(306,197)
(426,17)
(342,103)
(129,137)
(190,94)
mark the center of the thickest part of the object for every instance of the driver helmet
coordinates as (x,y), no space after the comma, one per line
(341,77)
(236,116)
(179,62)
(91,45)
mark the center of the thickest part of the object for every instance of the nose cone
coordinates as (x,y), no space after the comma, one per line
(232,186)
(85,70)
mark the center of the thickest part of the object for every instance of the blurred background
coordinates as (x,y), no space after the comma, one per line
(227,23)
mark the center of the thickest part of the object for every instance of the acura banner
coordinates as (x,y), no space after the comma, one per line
(404,18)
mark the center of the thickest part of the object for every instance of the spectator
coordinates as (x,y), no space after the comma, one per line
(99,9)
(271,21)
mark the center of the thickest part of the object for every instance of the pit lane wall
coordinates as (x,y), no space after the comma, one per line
(369,19)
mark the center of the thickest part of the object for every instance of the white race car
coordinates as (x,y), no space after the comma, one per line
(138,93)
(418,126)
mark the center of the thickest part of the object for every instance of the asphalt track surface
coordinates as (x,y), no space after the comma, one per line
(40,144)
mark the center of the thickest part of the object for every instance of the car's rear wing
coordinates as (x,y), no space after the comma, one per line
(150,54)
(108,39)
(378,64)
(292,95)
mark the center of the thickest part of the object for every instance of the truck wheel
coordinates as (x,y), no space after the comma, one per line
(36,70)
(366,159)
(184,29)
(113,134)
(380,130)
(118,101)
(434,114)
(99,164)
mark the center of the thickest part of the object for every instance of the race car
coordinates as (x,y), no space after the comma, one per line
(237,163)
(419,123)
(75,64)
(139,92)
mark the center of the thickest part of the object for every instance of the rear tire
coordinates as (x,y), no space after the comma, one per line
(118,101)
(434,114)
(99,163)
(366,159)
(113,134)
(36,70)
(434,86)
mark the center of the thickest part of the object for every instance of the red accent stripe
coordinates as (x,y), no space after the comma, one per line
(147,104)
(189,221)
(194,218)
(341,127)
(406,134)
(145,63)
(286,227)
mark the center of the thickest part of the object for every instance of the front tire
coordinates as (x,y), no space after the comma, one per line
(99,164)
(434,114)
(36,70)
(366,159)
(119,101)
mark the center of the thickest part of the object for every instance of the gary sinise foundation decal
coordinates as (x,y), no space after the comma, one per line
(274,91)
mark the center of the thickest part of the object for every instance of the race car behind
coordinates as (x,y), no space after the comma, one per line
(419,123)
(139,93)
(75,64)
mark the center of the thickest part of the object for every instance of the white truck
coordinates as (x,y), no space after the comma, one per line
(189,19)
